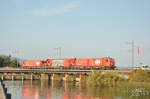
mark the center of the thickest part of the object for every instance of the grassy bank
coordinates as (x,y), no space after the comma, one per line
(102,78)
(138,83)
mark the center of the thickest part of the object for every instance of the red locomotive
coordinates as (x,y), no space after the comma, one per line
(101,63)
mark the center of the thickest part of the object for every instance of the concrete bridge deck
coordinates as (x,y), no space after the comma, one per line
(21,70)
(53,74)
(60,71)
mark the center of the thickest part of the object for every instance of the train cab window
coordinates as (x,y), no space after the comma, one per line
(106,60)
(112,60)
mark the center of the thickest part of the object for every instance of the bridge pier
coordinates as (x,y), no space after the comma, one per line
(12,77)
(68,85)
(82,78)
(56,77)
(44,76)
(69,77)
(2,77)
(22,76)
(31,77)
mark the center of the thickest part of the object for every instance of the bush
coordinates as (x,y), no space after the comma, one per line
(101,78)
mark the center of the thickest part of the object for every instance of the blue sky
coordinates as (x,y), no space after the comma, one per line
(83,28)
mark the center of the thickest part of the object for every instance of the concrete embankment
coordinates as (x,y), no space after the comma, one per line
(3,91)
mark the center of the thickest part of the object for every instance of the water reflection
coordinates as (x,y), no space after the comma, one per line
(30,92)
(62,90)
(36,90)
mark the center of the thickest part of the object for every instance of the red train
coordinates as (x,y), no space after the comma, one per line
(101,63)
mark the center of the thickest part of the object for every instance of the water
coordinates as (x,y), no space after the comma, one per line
(60,90)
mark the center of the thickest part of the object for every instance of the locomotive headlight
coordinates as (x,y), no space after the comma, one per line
(97,62)
(37,63)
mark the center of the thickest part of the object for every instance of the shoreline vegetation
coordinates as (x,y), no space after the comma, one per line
(138,83)
(8,61)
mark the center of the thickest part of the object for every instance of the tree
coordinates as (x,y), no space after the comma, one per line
(1,61)
(13,63)
(6,61)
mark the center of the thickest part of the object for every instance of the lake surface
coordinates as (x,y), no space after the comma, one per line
(60,90)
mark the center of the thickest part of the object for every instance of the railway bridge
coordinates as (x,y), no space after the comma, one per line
(52,74)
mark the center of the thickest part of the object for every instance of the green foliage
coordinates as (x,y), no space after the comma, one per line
(1,61)
(140,76)
(13,63)
(101,78)
(6,61)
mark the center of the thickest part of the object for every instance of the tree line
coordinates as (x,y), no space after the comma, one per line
(7,61)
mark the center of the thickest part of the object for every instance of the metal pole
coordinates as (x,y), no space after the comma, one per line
(59,52)
(17,52)
(17,56)
(58,49)
(17,62)
(132,55)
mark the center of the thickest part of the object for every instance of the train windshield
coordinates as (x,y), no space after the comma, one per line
(112,60)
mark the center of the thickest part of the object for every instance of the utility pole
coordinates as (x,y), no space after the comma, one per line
(132,55)
(59,52)
(17,56)
(58,49)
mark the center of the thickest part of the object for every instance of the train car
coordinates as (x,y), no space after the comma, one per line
(101,63)
(109,61)
(82,62)
(98,63)
(48,62)
(58,63)
(32,63)
(37,63)
(105,63)
(69,62)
